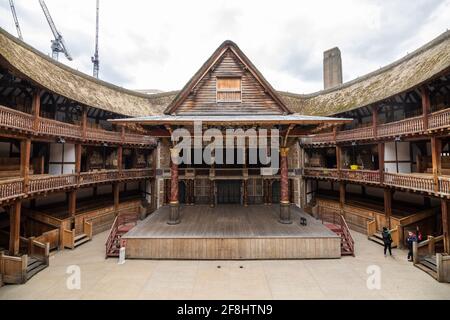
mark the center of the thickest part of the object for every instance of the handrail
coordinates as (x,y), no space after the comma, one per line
(18,120)
(436,120)
(347,235)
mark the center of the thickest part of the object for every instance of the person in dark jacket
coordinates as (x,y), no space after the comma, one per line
(410,240)
(387,240)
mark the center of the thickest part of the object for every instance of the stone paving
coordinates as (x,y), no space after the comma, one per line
(344,278)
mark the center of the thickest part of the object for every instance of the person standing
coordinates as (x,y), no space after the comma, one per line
(387,240)
(410,240)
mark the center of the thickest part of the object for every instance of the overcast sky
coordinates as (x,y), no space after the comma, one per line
(161,44)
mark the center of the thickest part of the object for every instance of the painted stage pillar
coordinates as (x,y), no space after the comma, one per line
(285,214)
(174,217)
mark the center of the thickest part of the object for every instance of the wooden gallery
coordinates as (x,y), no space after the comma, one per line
(79,156)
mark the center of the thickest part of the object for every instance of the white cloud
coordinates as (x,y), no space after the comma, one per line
(160,44)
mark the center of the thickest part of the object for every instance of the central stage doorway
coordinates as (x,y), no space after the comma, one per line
(229,192)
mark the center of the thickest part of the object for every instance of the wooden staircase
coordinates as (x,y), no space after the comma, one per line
(122,224)
(429,265)
(336,223)
(34,266)
(377,237)
(71,240)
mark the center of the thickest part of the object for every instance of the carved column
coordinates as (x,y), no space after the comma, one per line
(14,229)
(174,203)
(285,214)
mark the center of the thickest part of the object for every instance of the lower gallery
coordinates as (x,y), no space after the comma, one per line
(80,157)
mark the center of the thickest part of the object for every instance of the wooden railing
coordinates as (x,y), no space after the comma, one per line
(11,188)
(414,125)
(355,134)
(369,176)
(13,119)
(120,220)
(416,182)
(322,173)
(371,227)
(50,183)
(406,126)
(410,181)
(439,119)
(425,248)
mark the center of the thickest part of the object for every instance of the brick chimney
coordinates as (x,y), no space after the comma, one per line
(332,68)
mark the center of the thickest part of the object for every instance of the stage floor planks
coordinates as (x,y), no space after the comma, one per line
(230,232)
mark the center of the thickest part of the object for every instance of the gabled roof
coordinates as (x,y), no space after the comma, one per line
(210,63)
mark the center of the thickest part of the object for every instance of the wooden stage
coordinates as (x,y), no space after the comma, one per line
(230,232)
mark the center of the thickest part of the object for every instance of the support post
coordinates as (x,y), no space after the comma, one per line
(84,122)
(381,161)
(342,190)
(339,160)
(446,225)
(174,203)
(25,150)
(285,214)
(14,228)
(388,206)
(72,197)
(78,160)
(119,158)
(425,105)
(375,120)
(245,192)
(116,194)
(36,109)
(436,160)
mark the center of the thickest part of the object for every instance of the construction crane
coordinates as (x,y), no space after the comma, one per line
(13,10)
(95,59)
(58,44)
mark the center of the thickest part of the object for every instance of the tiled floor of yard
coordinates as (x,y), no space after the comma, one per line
(303,279)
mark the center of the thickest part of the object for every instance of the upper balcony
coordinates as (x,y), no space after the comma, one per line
(38,126)
(435,121)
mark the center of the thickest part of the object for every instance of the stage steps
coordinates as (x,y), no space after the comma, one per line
(346,243)
(122,224)
(377,237)
(80,239)
(34,266)
(429,265)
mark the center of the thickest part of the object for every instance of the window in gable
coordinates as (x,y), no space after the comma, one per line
(229,89)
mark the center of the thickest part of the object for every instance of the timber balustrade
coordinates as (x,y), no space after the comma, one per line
(21,121)
(412,181)
(436,120)
(14,188)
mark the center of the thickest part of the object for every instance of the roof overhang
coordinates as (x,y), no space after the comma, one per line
(233,120)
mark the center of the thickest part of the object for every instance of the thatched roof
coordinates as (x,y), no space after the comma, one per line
(425,63)
(402,75)
(47,73)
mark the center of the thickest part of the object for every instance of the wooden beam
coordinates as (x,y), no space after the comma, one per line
(375,120)
(116,194)
(445,224)
(25,150)
(14,228)
(381,161)
(72,198)
(388,206)
(77,158)
(425,105)
(436,160)
(119,158)
(342,189)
